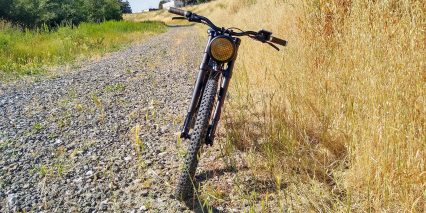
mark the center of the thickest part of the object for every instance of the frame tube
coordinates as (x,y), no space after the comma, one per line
(226,78)
(204,67)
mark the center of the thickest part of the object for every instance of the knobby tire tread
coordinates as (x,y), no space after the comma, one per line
(186,184)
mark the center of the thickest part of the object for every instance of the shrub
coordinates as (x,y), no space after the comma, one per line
(53,13)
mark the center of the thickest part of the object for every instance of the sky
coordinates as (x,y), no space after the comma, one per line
(139,5)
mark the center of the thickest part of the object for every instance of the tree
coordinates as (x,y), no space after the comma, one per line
(5,8)
(112,10)
(53,13)
(125,7)
(64,12)
(26,12)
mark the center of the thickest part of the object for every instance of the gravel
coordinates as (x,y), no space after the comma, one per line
(68,143)
(101,136)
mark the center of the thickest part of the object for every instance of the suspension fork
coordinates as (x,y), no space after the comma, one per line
(198,87)
(226,78)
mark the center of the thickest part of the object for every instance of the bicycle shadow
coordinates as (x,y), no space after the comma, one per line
(209,174)
(197,204)
(263,186)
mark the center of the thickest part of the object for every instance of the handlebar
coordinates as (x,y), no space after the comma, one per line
(177,11)
(279,41)
(262,36)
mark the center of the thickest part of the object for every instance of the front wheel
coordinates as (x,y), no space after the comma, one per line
(186,184)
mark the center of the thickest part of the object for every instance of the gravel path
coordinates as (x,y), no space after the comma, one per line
(103,136)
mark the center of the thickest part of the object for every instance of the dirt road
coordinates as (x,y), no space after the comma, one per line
(101,137)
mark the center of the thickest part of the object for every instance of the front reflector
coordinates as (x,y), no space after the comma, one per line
(222,49)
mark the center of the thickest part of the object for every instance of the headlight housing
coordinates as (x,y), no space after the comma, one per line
(222,49)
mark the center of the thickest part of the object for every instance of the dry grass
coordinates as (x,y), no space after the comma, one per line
(339,115)
(159,15)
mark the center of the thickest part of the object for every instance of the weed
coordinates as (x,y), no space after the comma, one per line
(43,170)
(227,151)
(72,93)
(79,107)
(100,106)
(148,204)
(97,101)
(140,146)
(66,44)
(147,184)
(38,126)
(60,169)
(115,88)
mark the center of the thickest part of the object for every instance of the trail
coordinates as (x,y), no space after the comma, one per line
(102,136)
(70,143)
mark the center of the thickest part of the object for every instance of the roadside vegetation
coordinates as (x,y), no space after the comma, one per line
(29,52)
(35,35)
(338,117)
(54,13)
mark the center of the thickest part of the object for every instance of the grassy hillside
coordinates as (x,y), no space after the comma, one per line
(339,115)
(31,51)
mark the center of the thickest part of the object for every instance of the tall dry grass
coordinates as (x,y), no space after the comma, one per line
(339,115)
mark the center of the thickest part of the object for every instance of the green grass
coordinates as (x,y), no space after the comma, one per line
(30,52)
(115,88)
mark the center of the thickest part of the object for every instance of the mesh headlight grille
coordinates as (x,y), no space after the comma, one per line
(222,49)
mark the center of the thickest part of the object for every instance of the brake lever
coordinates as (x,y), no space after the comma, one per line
(176,18)
(263,41)
(273,45)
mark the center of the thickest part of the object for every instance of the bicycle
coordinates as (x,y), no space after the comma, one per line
(210,90)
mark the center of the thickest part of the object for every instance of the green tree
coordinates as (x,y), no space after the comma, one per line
(101,10)
(52,13)
(58,12)
(5,8)
(27,12)
(125,7)
(112,10)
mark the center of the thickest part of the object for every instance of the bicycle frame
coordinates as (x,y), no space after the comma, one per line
(210,90)
(204,71)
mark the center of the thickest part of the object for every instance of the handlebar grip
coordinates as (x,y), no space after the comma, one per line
(177,11)
(278,41)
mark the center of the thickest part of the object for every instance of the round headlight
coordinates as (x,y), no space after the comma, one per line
(222,49)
